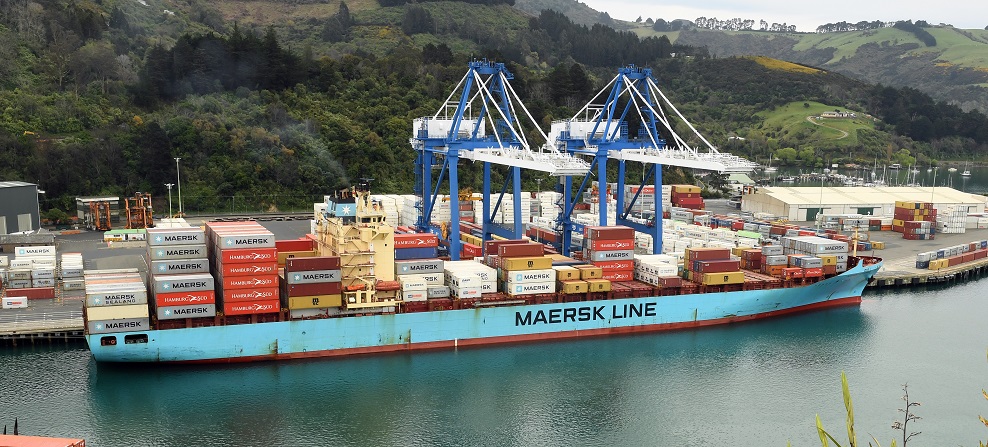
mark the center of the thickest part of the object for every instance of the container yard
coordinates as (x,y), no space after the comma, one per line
(426,271)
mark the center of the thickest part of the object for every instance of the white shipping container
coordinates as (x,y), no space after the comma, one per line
(117,312)
(531,288)
(14,302)
(530,276)
(467,292)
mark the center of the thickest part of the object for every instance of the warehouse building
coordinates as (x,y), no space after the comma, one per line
(804,203)
(19,207)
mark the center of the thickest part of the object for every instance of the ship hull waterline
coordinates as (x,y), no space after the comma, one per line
(332,337)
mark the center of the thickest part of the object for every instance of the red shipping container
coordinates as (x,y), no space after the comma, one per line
(830,270)
(718,266)
(618,275)
(520,250)
(815,272)
(615,265)
(309,264)
(33,293)
(670,281)
(301,244)
(709,254)
(609,233)
(251,307)
(249,282)
(416,240)
(792,272)
(239,295)
(737,225)
(185,298)
(684,195)
(316,288)
(231,270)
(611,244)
(490,247)
(248,255)
(471,250)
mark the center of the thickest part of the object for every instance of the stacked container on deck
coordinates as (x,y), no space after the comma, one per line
(116,301)
(612,249)
(524,268)
(812,252)
(418,271)
(687,196)
(312,286)
(657,270)
(465,277)
(914,220)
(178,264)
(712,267)
(244,262)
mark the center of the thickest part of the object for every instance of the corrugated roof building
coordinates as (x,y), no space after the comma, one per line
(19,207)
(805,202)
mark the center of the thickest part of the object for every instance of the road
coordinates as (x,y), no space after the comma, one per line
(843,133)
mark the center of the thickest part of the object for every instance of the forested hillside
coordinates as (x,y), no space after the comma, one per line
(272,111)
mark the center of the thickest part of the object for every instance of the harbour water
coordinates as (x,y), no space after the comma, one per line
(757,383)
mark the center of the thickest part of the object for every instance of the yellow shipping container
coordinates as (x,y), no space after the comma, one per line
(599,285)
(283,255)
(898,222)
(529,263)
(590,272)
(738,251)
(829,259)
(686,188)
(117,312)
(718,279)
(315,302)
(566,273)
(573,286)
(876,245)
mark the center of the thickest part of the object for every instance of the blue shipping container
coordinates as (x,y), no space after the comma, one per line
(404,254)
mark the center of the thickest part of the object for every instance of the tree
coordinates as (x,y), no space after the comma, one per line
(786,155)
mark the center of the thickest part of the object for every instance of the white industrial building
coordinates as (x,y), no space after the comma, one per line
(804,203)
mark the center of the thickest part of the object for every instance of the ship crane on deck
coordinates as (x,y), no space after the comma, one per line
(484,123)
(601,131)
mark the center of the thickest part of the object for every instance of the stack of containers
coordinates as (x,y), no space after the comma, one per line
(712,266)
(751,259)
(418,276)
(687,196)
(31,273)
(116,301)
(657,270)
(952,220)
(774,260)
(524,268)
(548,202)
(914,220)
(454,271)
(809,266)
(70,269)
(312,285)
(244,261)
(612,249)
(832,254)
(179,274)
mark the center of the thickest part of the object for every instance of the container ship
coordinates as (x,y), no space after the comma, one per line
(229,292)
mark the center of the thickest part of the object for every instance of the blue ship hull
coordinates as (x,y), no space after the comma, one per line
(490,325)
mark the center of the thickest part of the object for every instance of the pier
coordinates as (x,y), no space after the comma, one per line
(49,324)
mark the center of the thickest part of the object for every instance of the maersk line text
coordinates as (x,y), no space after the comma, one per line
(586,313)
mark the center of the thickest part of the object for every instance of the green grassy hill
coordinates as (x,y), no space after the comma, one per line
(802,121)
(954,70)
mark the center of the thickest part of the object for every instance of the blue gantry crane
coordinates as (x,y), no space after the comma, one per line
(482,121)
(628,124)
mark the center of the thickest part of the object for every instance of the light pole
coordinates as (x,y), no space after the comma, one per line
(178,173)
(169,185)
(538,195)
